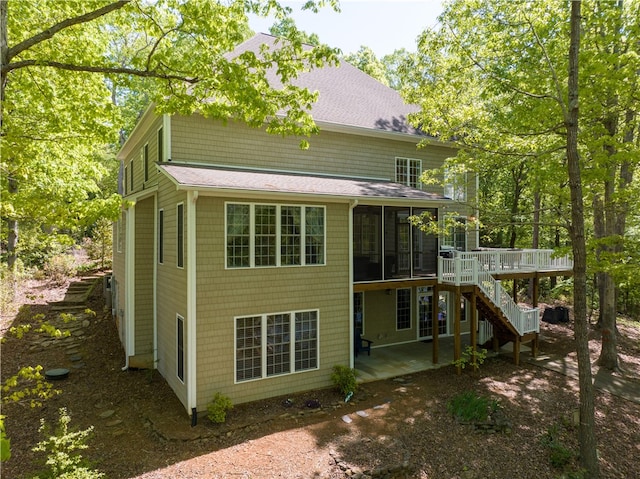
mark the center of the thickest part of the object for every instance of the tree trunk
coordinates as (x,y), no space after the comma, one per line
(12,227)
(586,433)
(535,242)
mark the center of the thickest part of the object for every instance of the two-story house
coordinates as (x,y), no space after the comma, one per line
(248,266)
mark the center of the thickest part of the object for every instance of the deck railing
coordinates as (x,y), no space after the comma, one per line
(513,260)
(465,271)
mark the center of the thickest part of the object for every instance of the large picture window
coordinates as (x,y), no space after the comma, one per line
(265,345)
(260,235)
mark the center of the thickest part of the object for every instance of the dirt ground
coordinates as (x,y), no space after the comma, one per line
(399,427)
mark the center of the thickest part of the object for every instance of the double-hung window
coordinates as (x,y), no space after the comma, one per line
(274,344)
(408,171)
(259,235)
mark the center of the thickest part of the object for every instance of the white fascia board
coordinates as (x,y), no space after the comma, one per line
(143,124)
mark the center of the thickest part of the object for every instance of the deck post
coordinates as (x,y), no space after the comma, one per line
(516,351)
(474,327)
(457,350)
(536,290)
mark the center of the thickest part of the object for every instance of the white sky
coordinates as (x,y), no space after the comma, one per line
(382,25)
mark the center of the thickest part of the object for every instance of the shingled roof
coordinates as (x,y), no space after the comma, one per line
(347,96)
(191,177)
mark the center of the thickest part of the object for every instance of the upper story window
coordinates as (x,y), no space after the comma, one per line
(161,236)
(274,235)
(145,161)
(160,145)
(455,184)
(180,235)
(131,175)
(408,172)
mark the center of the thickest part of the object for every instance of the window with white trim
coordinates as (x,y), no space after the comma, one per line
(131,175)
(259,235)
(455,184)
(275,344)
(145,161)
(455,233)
(180,347)
(160,145)
(125,180)
(403,308)
(408,171)
(180,235)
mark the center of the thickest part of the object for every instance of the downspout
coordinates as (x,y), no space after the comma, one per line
(130,289)
(192,390)
(352,205)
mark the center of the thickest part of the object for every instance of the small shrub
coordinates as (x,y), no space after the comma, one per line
(344,379)
(60,267)
(469,407)
(62,459)
(468,356)
(559,455)
(218,407)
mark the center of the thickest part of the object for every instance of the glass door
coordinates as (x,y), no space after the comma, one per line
(425,312)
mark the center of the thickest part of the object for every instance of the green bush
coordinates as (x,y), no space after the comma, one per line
(218,407)
(469,407)
(473,357)
(62,459)
(344,379)
(559,455)
(60,267)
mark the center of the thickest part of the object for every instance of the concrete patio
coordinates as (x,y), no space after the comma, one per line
(399,359)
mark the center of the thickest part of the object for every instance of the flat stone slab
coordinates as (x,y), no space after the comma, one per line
(56,374)
(106,414)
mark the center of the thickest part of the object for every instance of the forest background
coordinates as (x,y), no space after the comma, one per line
(495,78)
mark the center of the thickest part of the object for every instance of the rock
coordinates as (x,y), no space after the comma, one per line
(106,414)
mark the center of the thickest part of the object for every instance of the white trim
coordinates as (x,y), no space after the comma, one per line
(143,125)
(191,264)
(352,206)
(303,235)
(130,278)
(407,164)
(155,281)
(263,344)
(166,137)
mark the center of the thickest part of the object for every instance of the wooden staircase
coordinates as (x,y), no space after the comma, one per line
(503,330)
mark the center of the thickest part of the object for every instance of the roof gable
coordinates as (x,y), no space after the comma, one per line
(347,95)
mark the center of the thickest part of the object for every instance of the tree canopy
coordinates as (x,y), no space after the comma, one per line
(74,72)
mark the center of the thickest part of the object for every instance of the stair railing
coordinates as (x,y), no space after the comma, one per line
(464,271)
